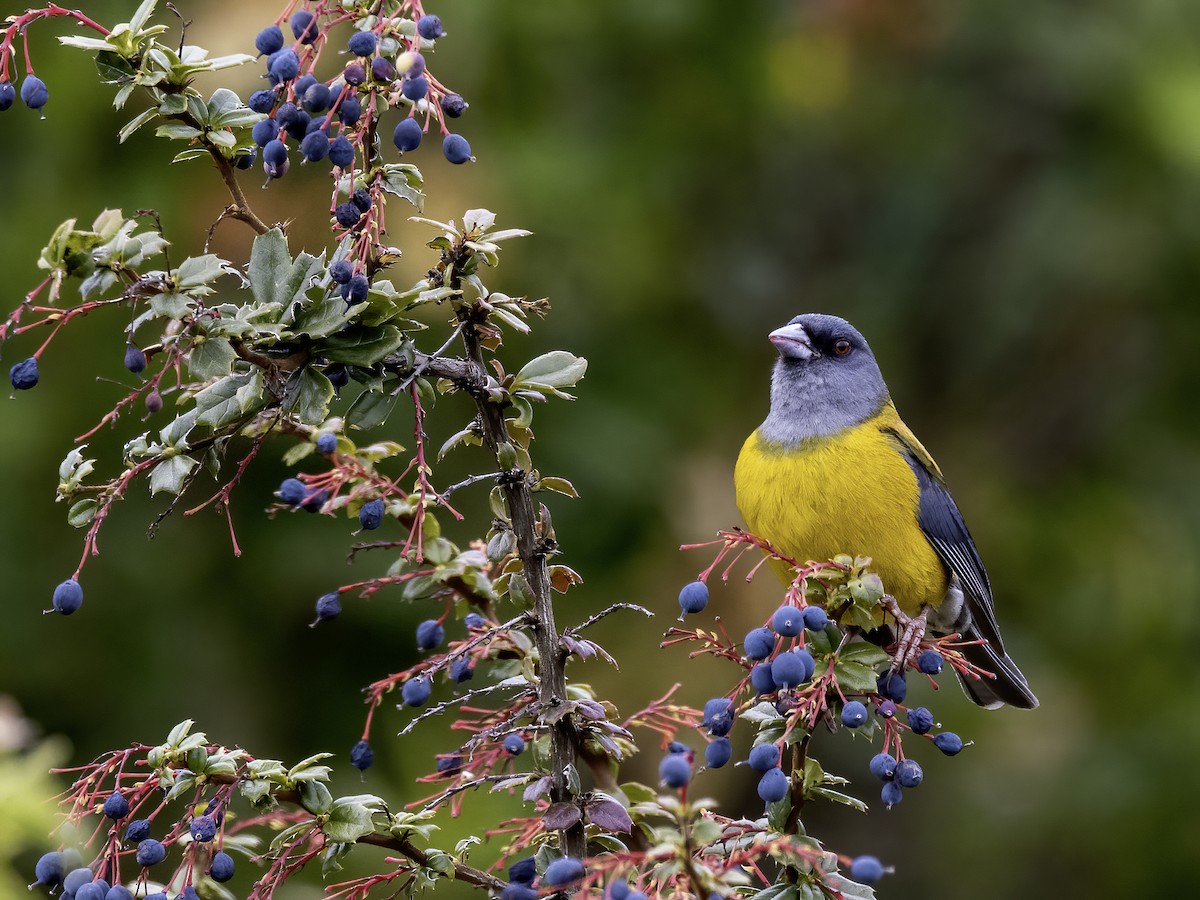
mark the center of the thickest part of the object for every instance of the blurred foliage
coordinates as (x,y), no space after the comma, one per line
(1002,197)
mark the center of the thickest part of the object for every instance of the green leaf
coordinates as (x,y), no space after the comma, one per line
(308,394)
(178,132)
(854,677)
(349,819)
(197,271)
(558,485)
(211,358)
(228,399)
(404,180)
(81,513)
(172,305)
(270,267)
(170,474)
(360,346)
(371,409)
(315,797)
(551,371)
(137,122)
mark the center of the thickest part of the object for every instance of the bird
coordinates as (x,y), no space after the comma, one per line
(834,470)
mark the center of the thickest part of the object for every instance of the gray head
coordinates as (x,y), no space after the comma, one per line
(825,380)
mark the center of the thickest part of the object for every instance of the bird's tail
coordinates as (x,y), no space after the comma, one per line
(1008,687)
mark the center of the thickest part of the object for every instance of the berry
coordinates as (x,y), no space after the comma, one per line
(135,359)
(350,111)
(264,132)
(75,879)
(474,620)
(315,146)
(908,773)
(415,88)
(448,765)
(891,794)
(275,159)
(34,92)
(362,43)
(762,679)
(718,716)
(150,852)
(694,597)
(792,668)
(523,871)
(288,116)
(517,891)
(356,289)
(95,890)
(717,753)
(679,747)
(203,829)
(154,402)
(866,869)
(430,27)
(119,892)
(383,70)
(883,766)
(24,374)
(317,98)
(563,871)
(949,743)
(456,149)
(116,807)
(283,65)
(138,831)
(854,714)
(410,64)
(329,606)
(354,74)
(454,105)
(764,757)
(347,214)
(416,691)
(361,756)
(788,621)
(304,26)
(920,720)
(341,152)
(773,786)
(370,514)
(338,375)
(246,159)
(461,670)
(7,94)
(292,491)
(892,686)
(760,642)
(362,199)
(303,83)
(341,271)
(815,618)
(269,40)
(327,443)
(221,867)
(68,597)
(430,634)
(262,101)
(886,709)
(618,890)
(514,745)
(674,771)
(407,135)
(314,503)
(49,870)
(929,662)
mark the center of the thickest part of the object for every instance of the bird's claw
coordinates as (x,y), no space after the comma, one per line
(908,647)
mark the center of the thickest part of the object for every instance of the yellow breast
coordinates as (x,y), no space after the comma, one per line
(851,493)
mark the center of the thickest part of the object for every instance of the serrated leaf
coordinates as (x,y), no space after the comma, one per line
(170,474)
(349,819)
(274,277)
(224,401)
(853,677)
(211,358)
(371,409)
(358,345)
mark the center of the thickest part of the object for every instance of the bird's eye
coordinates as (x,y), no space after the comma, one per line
(841,348)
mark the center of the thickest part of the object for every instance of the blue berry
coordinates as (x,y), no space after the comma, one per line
(317,98)
(338,375)
(764,757)
(119,892)
(762,679)
(563,871)
(138,831)
(304,26)
(221,867)
(759,643)
(929,662)
(361,756)
(49,870)
(362,43)
(453,105)
(815,618)
(866,869)
(301,126)
(150,852)
(456,149)
(679,747)
(415,88)
(694,597)
(362,199)
(410,64)
(246,159)
(792,668)
(908,773)
(341,152)
(518,891)
(461,670)
(24,375)
(77,878)
(949,743)
(203,829)
(284,65)
(7,94)
(474,620)
(886,709)
(892,686)
(407,135)
(350,110)
(718,716)
(618,890)
(269,40)
(854,714)
(523,871)
(674,771)
(514,745)
(370,514)
(883,766)
(326,442)
(68,597)
(315,503)
(262,101)
(135,359)
(95,890)
(303,83)
(264,132)
(354,74)
(347,214)
(315,146)
(448,765)
(275,159)
(920,720)
(116,807)
(341,272)
(430,634)
(356,289)
(773,786)
(788,621)
(416,691)
(383,70)
(292,491)
(329,606)
(288,116)
(430,27)
(34,92)
(717,753)
(891,794)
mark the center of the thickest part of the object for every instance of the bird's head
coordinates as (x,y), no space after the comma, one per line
(825,380)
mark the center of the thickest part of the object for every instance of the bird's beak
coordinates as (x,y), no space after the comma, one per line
(792,342)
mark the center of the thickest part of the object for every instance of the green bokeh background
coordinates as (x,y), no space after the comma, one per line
(1005,198)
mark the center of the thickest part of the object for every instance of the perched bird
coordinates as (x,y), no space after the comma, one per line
(834,470)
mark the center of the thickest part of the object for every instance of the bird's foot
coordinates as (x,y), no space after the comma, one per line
(911,633)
